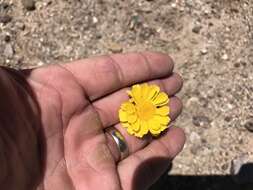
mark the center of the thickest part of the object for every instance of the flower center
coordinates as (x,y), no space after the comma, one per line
(146,110)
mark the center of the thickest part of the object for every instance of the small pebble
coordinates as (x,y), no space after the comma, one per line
(237,163)
(225,166)
(249,125)
(189,3)
(206,11)
(203,51)
(94,20)
(224,57)
(135,21)
(237,65)
(7,38)
(4,6)
(227,29)
(195,138)
(200,120)
(40,63)
(5,19)
(194,149)
(242,170)
(181,9)
(20,25)
(173,5)
(196,29)
(235,10)
(114,47)
(8,51)
(244,64)
(146,33)
(228,118)
(29,5)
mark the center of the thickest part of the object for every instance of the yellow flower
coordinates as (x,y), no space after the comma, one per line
(146,111)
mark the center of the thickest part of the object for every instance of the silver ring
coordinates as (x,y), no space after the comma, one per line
(120,142)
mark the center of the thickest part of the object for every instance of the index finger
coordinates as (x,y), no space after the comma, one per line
(102,75)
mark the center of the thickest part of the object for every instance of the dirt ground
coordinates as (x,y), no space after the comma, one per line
(211,42)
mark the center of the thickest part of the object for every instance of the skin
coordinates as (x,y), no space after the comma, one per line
(58,138)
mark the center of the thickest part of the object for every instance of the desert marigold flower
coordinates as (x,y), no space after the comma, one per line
(146,111)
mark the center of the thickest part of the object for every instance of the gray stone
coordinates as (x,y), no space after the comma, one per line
(29,5)
(7,38)
(196,29)
(225,166)
(4,6)
(249,125)
(237,163)
(5,19)
(242,170)
(194,149)
(228,118)
(224,56)
(189,3)
(200,120)
(203,51)
(8,51)
(114,47)
(20,25)
(195,138)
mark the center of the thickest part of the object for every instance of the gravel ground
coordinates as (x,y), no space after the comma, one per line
(211,42)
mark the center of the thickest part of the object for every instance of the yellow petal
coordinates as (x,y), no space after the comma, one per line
(126,125)
(161,99)
(144,91)
(131,100)
(138,134)
(136,126)
(128,107)
(136,92)
(164,120)
(130,131)
(132,118)
(153,92)
(163,127)
(122,116)
(163,111)
(155,132)
(129,93)
(143,129)
(154,124)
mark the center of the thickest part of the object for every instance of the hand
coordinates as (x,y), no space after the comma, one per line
(79,100)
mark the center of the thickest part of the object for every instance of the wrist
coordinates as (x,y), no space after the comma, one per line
(19,124)
(17,78)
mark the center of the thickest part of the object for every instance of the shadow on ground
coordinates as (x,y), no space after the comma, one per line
(242,181)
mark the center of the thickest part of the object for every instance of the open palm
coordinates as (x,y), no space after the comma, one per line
(80,100)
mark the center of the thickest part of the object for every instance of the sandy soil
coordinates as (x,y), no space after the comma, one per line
(211,42)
